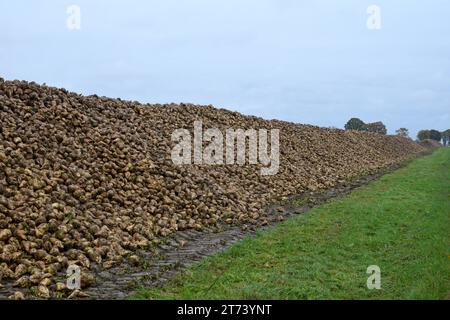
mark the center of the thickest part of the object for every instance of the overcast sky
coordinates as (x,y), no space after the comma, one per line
(307,61)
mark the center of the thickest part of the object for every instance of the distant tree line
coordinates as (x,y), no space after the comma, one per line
(378,127)
(359,125)
(446,137)
(435,135)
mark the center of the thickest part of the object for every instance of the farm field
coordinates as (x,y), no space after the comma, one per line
(400,223)
(208,159)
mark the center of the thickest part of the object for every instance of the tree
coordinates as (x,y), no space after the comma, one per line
(435,135)
(423,135)
(402,132)
(446,137)
(355,124)
(376,127)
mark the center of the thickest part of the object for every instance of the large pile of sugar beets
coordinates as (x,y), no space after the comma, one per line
(88,179)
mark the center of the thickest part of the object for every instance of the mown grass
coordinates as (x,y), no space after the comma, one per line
(400,222)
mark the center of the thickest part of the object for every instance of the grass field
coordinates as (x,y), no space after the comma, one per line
(400,222)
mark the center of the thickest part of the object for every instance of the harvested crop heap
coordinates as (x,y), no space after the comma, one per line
(90,179)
